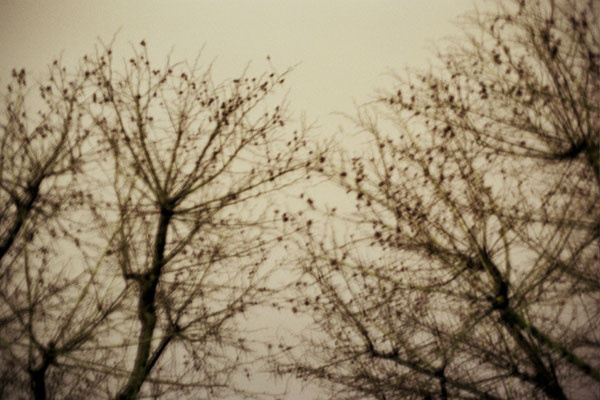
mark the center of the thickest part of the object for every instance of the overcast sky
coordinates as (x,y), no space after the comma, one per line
(343,49)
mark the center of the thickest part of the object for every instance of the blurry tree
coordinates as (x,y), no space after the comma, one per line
(128,268)
(191,165)
(48,310)
(41,152)
(470,268)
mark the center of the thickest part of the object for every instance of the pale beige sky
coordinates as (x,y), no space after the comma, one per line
(344,48)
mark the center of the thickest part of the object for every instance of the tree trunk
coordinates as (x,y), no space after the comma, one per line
(37,376)
(38,383)
(147,312)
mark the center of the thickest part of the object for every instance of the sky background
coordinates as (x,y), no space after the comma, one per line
(343,51)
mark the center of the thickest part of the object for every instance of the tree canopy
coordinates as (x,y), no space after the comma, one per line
(135,224)
(470,266)
(140,204)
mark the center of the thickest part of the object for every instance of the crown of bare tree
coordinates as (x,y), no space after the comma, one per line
(134,225)
(470,267)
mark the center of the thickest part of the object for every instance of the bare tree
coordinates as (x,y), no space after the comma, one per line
(40,153)
(191,167)
(472,266)
(42,157)
(137,226)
